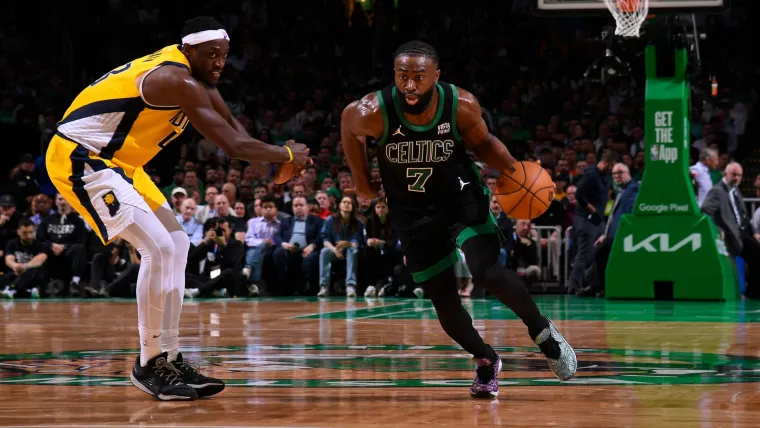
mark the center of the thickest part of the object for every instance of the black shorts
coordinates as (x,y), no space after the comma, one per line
(431,247)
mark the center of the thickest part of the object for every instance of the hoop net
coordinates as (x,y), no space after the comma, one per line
(629,15)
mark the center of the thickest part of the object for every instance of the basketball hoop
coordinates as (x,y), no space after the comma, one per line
(629,15)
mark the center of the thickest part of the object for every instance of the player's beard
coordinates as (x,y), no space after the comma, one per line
(422,104)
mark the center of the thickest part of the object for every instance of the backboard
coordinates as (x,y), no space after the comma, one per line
(596,7)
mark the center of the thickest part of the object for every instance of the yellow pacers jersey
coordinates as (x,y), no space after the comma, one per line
(111,119)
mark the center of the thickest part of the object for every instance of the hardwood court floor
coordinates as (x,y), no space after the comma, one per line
(339,363)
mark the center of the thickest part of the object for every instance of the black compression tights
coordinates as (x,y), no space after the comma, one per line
(482,256)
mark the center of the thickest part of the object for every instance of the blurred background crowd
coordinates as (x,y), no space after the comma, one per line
(292,68)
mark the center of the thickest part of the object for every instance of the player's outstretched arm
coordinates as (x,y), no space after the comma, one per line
(174,86)
(360,119)
(477,137)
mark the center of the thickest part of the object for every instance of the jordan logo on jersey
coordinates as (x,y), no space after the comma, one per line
(444,128)
(398,132)
(462,183)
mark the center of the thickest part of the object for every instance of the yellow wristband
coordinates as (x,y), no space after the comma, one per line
(290,152)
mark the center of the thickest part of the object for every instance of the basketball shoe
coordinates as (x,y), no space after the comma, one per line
(559,354)
(161,379)
(486,383)
(204,386)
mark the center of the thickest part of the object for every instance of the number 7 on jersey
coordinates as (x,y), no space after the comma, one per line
(420,176)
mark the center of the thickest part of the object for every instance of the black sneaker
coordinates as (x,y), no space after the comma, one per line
(203,385)
(161,379)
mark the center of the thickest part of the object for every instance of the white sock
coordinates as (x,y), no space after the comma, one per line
(156,248)
(175,297)
(150,346)
(75,279)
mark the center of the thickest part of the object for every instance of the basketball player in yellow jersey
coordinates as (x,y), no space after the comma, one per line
(112,129)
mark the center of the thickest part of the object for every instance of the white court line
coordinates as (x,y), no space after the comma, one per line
(349,310)
(391,313)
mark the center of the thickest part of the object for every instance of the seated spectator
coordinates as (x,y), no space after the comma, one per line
(314,208)
(106,267)
(296,190)
(64,236)
(381,254)
(179,194)
(295,255)
(341,236)
(204,212)
(561,180)
(124,284)
(365,208)
(259,240)
(524,258)
(9,219)
(241,211)
(238,225)
(324,204)
(189,223)
(42,207)
(24,256)
(23,185)
(213,267)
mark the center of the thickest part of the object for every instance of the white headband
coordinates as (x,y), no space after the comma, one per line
(204,36)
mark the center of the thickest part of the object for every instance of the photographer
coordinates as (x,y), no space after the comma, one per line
(215,264)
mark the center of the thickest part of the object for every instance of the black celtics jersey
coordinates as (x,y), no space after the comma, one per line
(425,168)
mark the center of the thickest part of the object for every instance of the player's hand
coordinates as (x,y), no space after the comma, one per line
(371,192)
(300,153)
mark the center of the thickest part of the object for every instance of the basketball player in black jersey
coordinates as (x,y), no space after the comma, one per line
(424,128)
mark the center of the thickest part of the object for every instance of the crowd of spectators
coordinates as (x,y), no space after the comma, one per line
(292,68)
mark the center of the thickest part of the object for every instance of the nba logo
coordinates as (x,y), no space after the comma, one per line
(654,153)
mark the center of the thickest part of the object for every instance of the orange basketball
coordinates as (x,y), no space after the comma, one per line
(284,172)
(526,193)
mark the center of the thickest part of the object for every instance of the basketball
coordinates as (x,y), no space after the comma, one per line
(526,193)
(285,172)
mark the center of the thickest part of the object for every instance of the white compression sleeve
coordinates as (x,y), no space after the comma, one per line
(157,250)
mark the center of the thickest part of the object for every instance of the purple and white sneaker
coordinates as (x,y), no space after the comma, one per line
(486,383)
